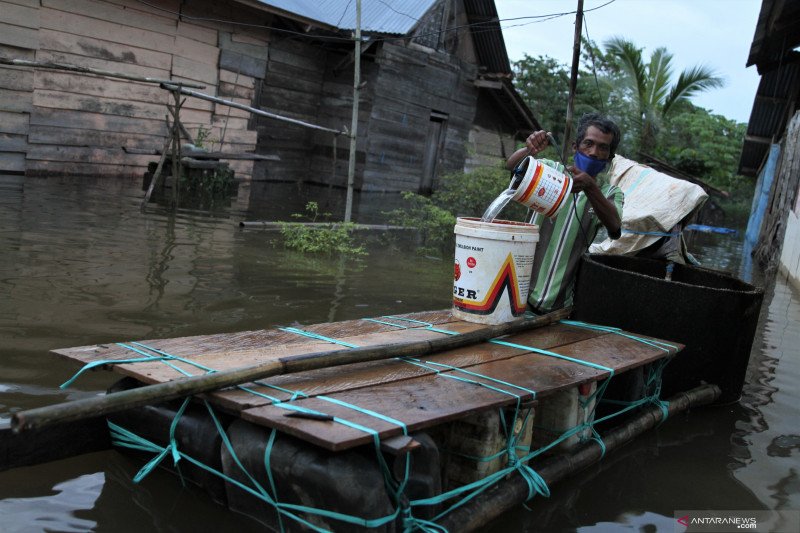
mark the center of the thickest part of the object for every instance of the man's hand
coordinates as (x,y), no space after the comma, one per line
(581,181)
(603,208)
(537,141)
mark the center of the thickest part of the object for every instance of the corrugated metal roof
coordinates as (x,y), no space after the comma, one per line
(488,36)
(395,17)
(777,34)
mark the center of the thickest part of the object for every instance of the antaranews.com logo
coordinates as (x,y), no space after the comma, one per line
(732,521)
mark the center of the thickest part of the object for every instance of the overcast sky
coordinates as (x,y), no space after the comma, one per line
(715,33)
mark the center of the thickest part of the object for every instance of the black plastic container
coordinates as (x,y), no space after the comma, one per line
(713,314)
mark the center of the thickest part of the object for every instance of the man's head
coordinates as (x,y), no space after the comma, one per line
(605,126)
(595,143)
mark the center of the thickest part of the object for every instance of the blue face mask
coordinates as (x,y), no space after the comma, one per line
(590,165)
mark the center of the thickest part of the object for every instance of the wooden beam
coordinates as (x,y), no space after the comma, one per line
(96,72)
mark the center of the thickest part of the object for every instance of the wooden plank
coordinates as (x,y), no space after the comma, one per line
(59,41)
(164,8)
(198,33)
(16,79)
(44,169)
(349,377)
(107,31)
(15,101)
(432,399)
(89,85)
(92,137)
(26,3)
(194,70)
(233,77)
(18,15)
(65,118)
(12,162)
(196,51)
(262,338)
(94,104)
(109,13)
(104,64)
(244,64)
(10,142)
(231,90)
(14,122)
(82,154)
(19,37)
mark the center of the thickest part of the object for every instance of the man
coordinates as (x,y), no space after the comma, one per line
(564,238)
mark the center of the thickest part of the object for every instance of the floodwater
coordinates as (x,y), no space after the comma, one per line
(81,265)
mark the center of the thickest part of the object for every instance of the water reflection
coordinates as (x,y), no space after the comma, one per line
(81,265)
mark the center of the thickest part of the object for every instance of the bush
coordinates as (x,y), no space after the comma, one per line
(333,238)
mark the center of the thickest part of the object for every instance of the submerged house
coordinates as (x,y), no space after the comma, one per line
(771,149)
(436,93)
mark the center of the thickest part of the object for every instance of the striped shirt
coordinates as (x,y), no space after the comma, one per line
(563,239)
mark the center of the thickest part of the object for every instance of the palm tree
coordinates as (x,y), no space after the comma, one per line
(650,85)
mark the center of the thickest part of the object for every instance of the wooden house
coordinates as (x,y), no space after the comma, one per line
(436,91)
(771,151)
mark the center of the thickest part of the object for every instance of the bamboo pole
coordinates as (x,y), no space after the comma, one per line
(351,166)
(188,92)
(513,490)
(182,387)
(156,174)
(96,72)
(573,80)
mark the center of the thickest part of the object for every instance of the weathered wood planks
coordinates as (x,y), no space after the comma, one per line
(432,399)
(417,394)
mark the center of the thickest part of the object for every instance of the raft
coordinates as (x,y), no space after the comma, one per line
(443,441)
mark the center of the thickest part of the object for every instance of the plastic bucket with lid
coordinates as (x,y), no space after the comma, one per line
(543,188)
(493,263)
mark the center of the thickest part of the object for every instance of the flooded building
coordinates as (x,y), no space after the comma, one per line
(435,95)
(771,149)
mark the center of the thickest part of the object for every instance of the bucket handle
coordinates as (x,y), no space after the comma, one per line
(517,174)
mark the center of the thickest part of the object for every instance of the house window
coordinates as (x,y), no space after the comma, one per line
(434,144)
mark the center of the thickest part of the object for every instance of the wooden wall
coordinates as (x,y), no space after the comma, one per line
(292,87)
(490,139)
(19,38)
(411,86)
(67,123)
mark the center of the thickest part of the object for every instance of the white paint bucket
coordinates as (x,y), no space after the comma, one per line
(493,263)
(543,188)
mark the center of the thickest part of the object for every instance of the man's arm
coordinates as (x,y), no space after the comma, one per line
(604,208)
(535,143)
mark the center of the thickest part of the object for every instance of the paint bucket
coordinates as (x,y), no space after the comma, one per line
(543,188)
(493,263)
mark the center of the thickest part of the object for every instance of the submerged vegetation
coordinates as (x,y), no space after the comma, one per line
(330,238)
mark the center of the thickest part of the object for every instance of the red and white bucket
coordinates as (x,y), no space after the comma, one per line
(493,264)
(543,188)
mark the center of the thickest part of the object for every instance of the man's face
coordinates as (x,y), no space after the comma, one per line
(596,144)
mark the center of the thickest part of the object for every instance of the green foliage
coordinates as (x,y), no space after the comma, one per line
(651,88)
(654,112)
(459,195)
(334,238)
(704,145)
(202,136)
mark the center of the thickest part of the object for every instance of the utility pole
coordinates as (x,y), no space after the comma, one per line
(573,80)
(351,167)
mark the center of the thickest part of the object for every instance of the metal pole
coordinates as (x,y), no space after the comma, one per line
(351,167)
(573,79)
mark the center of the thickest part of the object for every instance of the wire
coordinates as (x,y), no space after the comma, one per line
(489,24)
